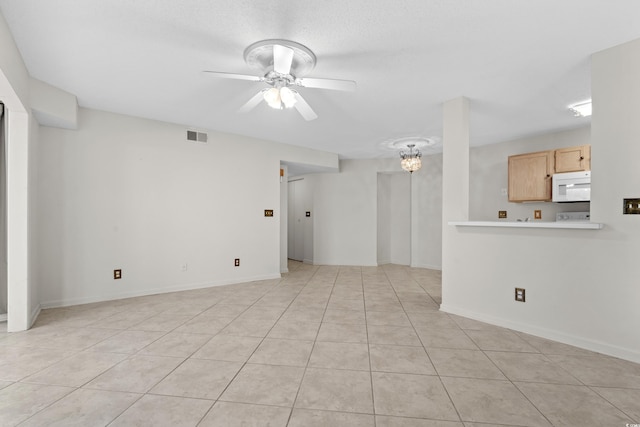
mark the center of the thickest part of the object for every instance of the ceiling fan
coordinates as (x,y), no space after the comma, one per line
(282,63)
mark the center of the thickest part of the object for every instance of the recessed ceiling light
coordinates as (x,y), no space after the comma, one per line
(582,109)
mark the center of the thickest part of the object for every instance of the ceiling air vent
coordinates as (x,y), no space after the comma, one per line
(194,136)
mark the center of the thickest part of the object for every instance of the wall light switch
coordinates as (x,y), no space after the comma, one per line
(520,294)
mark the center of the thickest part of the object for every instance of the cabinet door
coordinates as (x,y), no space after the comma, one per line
(573,159)
(530,177)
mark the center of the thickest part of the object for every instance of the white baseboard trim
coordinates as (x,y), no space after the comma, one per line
(286,270)
(576,341)
(428,266)
(307,261)
(34,315)
(154,291)
(383,262)
(3,317)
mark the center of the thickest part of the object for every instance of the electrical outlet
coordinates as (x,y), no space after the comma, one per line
(236,262)
(520,294)
(184,267)
(502,214)
(117,274)
(537,214)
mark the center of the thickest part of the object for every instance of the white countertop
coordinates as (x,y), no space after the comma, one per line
(582,225)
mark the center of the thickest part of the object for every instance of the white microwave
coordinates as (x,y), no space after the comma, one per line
(572,187)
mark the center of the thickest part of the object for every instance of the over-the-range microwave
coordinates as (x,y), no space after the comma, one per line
(572,187)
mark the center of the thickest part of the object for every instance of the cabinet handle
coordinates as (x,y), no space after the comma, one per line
(581,157)
(548,176)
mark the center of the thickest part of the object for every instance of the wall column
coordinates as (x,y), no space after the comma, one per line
(455,179)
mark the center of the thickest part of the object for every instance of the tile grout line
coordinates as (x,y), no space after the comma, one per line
(304,373)
(424,348)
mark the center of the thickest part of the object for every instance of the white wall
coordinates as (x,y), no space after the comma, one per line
(133,194)
(3,217)
(33,229)
(384,218)
(426,216)
(400,218)
(21,145)
(580,283)
(284,220)
(346,225)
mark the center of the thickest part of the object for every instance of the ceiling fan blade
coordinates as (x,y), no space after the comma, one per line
(345,85)
(304,109)
(234,76)
(282,59)
(252,103)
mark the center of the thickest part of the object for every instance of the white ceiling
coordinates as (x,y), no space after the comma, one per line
(520,62)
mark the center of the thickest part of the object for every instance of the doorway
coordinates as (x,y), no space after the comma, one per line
(300,224)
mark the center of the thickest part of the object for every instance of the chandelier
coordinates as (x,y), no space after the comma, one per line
(411,160)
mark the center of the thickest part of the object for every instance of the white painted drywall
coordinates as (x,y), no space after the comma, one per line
(21,142)
(345,212)
(426,217)
(400,218)
(580,283)
(128,193)
(284,220)
(53,106)
(347,228)
(34,285)
(3,215)
(384,218)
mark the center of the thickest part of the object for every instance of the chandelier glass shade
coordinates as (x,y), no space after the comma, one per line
(280,97)
(411,161)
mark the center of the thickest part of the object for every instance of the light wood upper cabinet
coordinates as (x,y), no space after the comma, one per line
(573,159)
(530,176)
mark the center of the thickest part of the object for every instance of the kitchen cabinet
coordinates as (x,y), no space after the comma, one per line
(573,159)
(530,176)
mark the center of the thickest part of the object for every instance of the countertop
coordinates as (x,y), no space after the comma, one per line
(581,225)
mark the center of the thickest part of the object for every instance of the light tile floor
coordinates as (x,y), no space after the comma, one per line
(324,346)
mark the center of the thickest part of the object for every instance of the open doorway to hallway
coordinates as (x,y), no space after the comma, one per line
(300,224)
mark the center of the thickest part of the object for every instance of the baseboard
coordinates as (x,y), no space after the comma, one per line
(383,262)
(428,266)
(576,341)
(34,315)
(307,261)
(3,317)
(286,270)
(145,292)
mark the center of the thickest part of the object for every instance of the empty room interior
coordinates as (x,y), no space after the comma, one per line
(307,214)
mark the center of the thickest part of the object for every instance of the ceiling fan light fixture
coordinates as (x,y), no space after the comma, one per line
(288,97)
(272,98)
